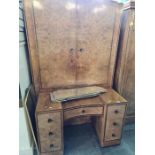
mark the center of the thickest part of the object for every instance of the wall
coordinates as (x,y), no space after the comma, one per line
(25,138)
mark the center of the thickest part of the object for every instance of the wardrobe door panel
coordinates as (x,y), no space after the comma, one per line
(128,90)
(95,20)
(55,22)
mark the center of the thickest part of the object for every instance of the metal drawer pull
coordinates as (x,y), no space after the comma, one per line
(51,145)
(50,133)
(113,135)
(50,120)
(116,111)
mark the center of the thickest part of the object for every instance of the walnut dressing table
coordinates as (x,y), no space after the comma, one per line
(108,109)
(73,43)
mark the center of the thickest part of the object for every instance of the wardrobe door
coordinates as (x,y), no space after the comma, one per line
(55,22)
(124,81)
(96,20)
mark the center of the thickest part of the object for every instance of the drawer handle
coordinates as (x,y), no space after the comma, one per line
(81,50)
(51,145)
(72,50)
(50,133)
(116,111)
(113,135)
(115,124)
(50,120)
(83,111)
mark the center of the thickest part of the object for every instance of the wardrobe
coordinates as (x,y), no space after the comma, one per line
(72,42)
(124,81)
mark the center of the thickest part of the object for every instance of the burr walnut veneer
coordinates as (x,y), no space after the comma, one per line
(124,81)
(72,44)
(107,111)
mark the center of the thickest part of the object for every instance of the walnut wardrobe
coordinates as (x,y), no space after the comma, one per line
(73,43)
(124,81)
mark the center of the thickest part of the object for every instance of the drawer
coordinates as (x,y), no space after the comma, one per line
(50,133)
(51,145)
(116,111)
(49,120)
(49,126)
(82,112)
(112,134)
(114,123)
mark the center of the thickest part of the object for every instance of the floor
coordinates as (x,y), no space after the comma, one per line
(82,140)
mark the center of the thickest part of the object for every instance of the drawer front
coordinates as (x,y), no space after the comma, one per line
(116,111)
(60,152)
(114,123)
(82,111)
(50,145)
(112,134)
(49,120)
(50,133)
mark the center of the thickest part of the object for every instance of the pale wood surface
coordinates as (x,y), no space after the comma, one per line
(53,153)
(32,44)
(116,111)
(108,123)
(82,112)
(58,30)
(94,33)
(112,97)
(124,81)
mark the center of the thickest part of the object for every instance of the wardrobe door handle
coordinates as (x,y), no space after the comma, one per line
(72,50)
(113,135)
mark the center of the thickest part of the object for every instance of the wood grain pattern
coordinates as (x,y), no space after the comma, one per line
(116,111)
(46,127)
(55,29)
(124,81)
(112,97)
(51,145)
(114,123)
(60,29)
(44,104)
(95,33)
(32,44)
(109,125)
(82,112)
(53,153)
(50,133)
(112,134)
(102,108)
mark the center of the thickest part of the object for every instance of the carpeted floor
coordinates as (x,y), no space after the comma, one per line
(82,140)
